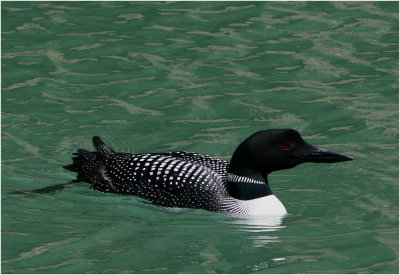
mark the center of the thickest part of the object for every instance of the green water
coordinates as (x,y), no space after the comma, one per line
(164,76)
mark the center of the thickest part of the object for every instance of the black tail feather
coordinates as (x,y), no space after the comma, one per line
(83,153)
(90,166)
(70,167)
(85,163)
(83,156)
(101,147)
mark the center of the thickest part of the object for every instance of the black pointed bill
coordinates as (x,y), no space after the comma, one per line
(318,154)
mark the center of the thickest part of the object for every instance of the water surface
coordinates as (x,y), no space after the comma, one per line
(165,76)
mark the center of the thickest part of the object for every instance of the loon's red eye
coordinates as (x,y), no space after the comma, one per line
(285,146)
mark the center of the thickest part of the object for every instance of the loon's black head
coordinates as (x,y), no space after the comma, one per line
(272,150)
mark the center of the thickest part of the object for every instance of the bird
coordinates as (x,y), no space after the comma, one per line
(191,180)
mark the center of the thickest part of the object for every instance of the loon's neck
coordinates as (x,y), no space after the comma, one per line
(246,191)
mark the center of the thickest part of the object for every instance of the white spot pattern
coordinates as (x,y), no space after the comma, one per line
(177,179)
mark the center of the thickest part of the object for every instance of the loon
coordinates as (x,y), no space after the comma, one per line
(191,180)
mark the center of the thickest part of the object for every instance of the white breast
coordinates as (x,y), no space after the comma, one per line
(264,206)
(269,205)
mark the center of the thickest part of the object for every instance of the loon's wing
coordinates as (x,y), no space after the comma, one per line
(163,180)
(219,166)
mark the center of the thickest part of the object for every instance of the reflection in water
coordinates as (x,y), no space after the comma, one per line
(259,224)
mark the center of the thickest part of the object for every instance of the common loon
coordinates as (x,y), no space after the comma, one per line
(190,180)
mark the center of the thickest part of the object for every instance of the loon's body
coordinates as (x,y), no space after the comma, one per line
(191,180)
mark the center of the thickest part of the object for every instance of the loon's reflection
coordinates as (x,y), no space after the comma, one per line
(259,224)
